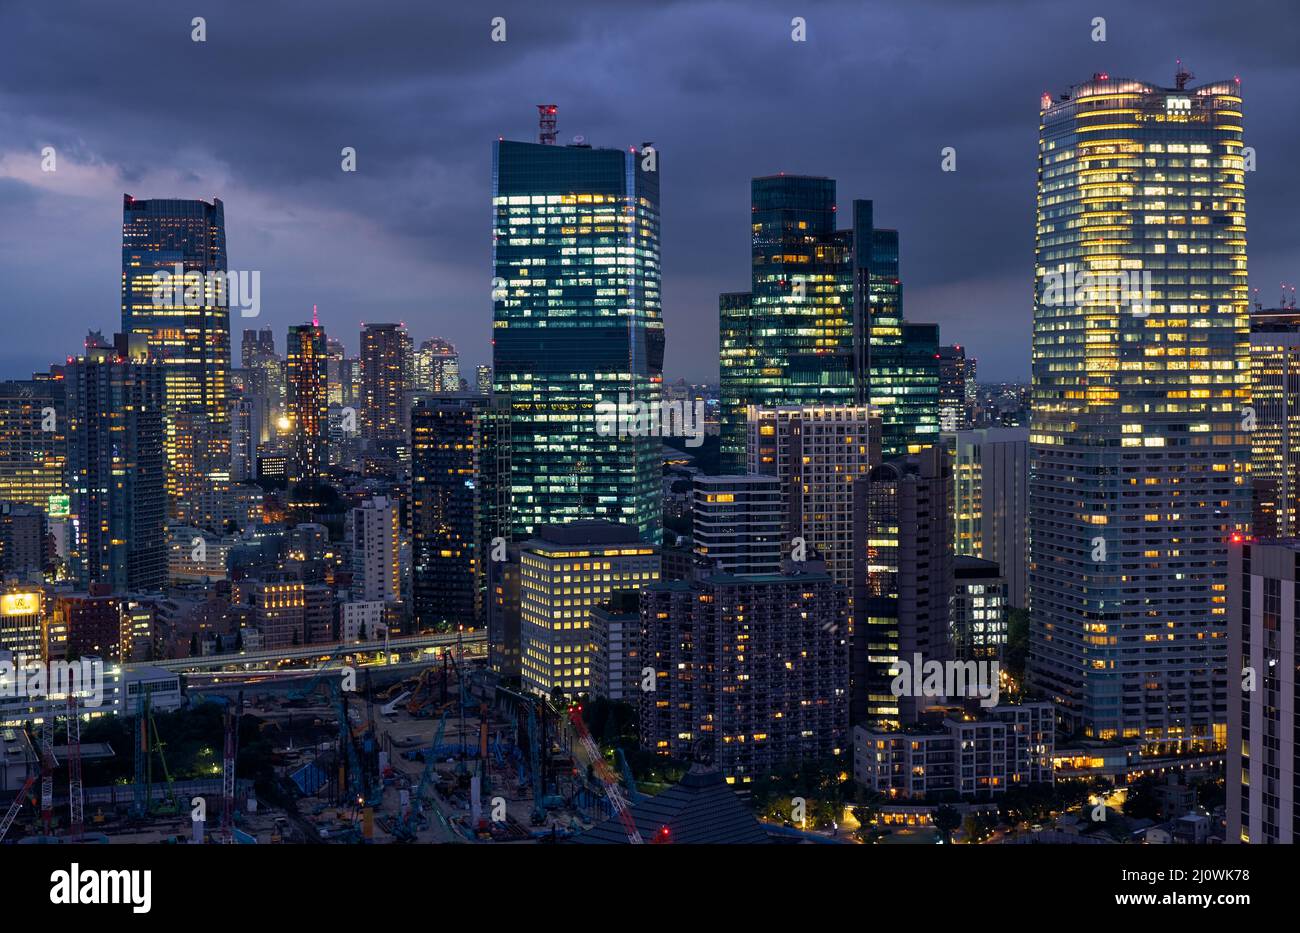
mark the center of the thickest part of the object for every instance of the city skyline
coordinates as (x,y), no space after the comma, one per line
(702,425)
(413,218)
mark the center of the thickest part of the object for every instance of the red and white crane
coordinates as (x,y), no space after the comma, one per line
(606,776)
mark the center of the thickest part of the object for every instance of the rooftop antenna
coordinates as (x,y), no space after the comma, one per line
(1182,76)
(315,318)
(546,123)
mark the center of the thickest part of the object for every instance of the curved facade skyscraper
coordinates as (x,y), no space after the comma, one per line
(1140,464)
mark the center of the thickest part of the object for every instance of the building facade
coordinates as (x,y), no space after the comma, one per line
(565,572)
(990,482)
(816,453)
(750,672)
(576,323)
(306,373)
(1139,464)
(738,522)
(116,466)
(1263,716)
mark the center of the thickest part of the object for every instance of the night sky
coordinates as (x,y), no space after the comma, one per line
(258,113)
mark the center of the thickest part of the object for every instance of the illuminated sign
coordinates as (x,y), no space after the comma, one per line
(59,506)
(1178,105)
(20,604)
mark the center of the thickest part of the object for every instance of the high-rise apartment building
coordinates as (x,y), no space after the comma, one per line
(816,452)
(902,580)
(577,323)
(1140,467)
(116,465)
(1273,420)
(386,368)
(738,522)
(990,482)
(375,546)
(458,506)
(1263,715)
(750,671)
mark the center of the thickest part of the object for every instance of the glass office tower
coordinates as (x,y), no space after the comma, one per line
(823,321)
(191,337)
(185,323)
(115,468)
(1140,469)
(577,321)
(790,340)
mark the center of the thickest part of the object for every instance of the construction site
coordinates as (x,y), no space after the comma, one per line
(335,756)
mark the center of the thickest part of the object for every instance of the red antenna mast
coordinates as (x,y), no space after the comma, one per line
(315,320)
(546,123)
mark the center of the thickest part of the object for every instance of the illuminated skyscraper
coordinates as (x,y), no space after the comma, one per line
(459,487)
(306,378)
(116,466)
(386,368)
(823,321)
(790,339)
(185,322)
(33,426)
(954,408)
(437,367)
(576,322)
(1140,468)
(1275,411)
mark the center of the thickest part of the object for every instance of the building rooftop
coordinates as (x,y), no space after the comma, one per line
(592,531)
(701,809)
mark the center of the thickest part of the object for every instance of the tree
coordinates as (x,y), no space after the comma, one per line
(946,820)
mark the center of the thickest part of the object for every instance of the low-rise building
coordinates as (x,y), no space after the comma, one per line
(972,756)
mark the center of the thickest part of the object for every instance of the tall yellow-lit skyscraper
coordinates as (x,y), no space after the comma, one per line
(1140,464)
(185,321)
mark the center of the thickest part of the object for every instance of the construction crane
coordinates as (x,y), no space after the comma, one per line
(48,765)
(12,813)
(76,824)
(228,770)
(142,789)
(606,776)
(169,805)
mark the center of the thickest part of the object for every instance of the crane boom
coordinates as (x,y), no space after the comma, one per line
(12,813)
(607,777)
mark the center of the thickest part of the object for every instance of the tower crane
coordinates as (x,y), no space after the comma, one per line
(606,776)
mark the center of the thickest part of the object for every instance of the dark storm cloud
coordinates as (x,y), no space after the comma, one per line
(257,116)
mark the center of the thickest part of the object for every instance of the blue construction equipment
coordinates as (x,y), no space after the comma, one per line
(633,791)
